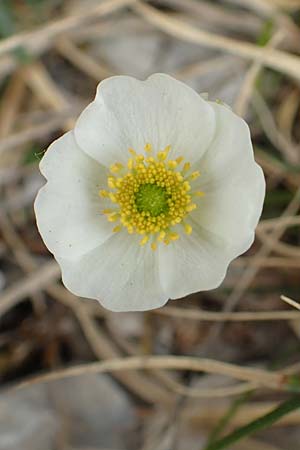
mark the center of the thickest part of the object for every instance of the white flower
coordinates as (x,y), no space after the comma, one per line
(151,196)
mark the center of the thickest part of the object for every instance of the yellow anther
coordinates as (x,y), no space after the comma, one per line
(162,156)
(161,236)
(186,167)
(194,175)
(111,182)
(107,211)
(113,217)
(186,185)
(144,240)
(191,207)
(154,246)
(115,168)
(112,197)
(117,229)
(167,148)
(148,148)
(173,236)
(103,193)
(130,164)
(198,193)
(179,159)
(172,164)
(131,151)
(188,228)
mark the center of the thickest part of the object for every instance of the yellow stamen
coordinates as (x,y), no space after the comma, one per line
(154,246)
(194,175)
(172,164)
(188,228)
(131,151)
(111,182)
(130,164)
(144,240)
(117,229)
(186,167)
(113,197)
(161,236)
(115,168)
(148,148)
(191,207)
(113,217)
(199,193)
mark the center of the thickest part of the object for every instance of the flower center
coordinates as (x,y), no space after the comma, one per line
(152,196)
(152,199)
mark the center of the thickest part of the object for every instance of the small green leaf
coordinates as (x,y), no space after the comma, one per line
(266,33)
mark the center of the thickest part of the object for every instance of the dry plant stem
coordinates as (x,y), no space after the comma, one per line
(290,152)
(32,283)
(217,15)
(39,131)
(291,302)
(209,316)
(260,377)
(202,68)
(271,261)
(287,112)
(270,10)
(281,248)
(251,444)
(137,383)
(242,101)
(47,91)
(64,25)
(82,60)
(216,392)
(270,224)
(276,169)
(276,59)
(10,103)
(22,257)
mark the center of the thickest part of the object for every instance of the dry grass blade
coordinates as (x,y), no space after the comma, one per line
(82,60)
(261,377)
(31,284)
(276,59)
(290,302)
(64,25)
(212,316)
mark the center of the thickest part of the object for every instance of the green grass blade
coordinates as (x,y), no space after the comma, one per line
(258,424)
(232,411)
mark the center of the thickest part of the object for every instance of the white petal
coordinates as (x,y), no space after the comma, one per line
(68,208)
(196,262)
(120,273)
(130,113)
(233,184)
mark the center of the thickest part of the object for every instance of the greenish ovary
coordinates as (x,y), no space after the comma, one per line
(152,199)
